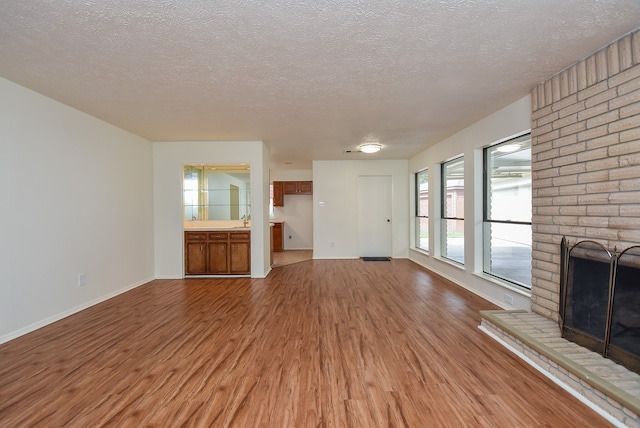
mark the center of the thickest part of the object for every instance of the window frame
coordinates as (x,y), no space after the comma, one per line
(444,218)
(418,214)
(486,221)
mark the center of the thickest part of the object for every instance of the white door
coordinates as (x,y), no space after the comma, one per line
(374,216)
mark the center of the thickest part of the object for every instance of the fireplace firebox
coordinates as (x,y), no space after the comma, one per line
(600,300)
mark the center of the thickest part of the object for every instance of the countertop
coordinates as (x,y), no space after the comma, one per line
(213,225)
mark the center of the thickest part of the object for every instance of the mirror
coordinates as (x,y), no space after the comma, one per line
(216,192)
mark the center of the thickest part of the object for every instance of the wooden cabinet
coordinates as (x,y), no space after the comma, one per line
(290,187)
(218,257)
(281,188)
(305,187)
(278,193)
(298,187)
(217,253)
(195,253)
(277,237)
(240,252)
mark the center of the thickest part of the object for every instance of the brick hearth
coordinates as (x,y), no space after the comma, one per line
(611,389)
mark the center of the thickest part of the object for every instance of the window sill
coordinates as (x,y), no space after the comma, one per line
(438,258)
(421,251)
(450,262)
(505,284)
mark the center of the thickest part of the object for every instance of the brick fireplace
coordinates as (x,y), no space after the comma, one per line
(585,134)
(600,300)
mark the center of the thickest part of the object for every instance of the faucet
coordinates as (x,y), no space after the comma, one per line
(246,218)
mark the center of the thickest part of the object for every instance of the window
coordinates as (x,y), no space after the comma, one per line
(422,210)
(272,211)
(507,210)
(453,210)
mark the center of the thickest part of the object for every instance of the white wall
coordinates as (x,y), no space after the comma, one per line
(168,161)
(298,222)
(292,175)
(76,198)
(505,123)
(335,185)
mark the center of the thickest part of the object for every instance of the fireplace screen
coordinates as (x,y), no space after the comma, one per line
(600,300)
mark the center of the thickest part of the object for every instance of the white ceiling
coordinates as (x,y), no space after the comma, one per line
(311,78)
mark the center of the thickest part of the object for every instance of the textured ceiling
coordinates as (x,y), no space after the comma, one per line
(311,78)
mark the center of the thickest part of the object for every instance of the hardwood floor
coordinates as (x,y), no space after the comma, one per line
(331,343)
(289,257)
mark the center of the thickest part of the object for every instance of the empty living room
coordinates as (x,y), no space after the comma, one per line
(320,213)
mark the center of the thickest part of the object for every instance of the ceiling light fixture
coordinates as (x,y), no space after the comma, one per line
(370,147)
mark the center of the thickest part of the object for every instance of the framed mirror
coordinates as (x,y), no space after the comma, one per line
(216,192)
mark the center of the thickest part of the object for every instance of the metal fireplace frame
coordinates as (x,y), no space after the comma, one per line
(602,346)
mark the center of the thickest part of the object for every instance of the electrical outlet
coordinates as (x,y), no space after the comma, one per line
(82,280)
(508,298)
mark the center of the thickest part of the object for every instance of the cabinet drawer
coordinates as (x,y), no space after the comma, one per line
(240,236)
(218,236)
(195,236)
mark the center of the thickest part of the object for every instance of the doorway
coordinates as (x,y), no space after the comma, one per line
(374,216)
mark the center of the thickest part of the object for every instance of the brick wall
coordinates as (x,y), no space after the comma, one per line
(585,130)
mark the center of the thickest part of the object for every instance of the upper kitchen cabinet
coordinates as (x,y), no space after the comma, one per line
(278,193)
(281,188)
(298,187)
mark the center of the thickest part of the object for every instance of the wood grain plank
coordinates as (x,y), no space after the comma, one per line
(319,343)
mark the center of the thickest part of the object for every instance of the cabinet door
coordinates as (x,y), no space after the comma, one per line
(290,187)
(277,237)
(195,253)
(278,194)
(218,257)
(195,258)
(240,252)
(305,187)
(240,257)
